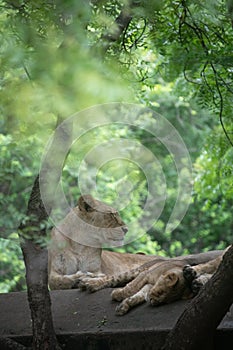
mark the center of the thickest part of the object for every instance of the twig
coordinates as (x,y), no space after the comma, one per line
(221,104)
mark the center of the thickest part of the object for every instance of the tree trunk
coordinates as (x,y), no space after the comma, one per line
(33,243)
(36,260)
(36,263)
(196,327)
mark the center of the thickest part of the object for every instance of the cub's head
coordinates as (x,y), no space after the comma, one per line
(99,224)
(169,287)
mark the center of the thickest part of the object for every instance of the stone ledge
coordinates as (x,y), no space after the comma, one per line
(88,321)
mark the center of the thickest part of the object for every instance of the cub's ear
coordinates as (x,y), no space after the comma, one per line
(171,279)
(86,203)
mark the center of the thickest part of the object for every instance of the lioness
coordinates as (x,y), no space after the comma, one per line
(75,249)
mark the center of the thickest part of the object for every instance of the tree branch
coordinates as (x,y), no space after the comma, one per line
(221,105)
(230,10)
(119,26)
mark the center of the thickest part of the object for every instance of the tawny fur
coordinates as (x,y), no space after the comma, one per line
(75,250)
(155,282)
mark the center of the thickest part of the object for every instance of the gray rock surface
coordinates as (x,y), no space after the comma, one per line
(88,321)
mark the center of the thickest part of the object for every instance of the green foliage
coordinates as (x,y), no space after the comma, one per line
(214,169)
(11,265)
(143,245)
(19,163)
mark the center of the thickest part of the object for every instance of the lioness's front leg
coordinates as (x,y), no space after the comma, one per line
(136,299)
(57,281)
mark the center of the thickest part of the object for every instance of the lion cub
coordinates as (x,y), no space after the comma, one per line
(158,284)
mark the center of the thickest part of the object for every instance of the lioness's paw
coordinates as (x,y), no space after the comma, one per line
(76,284)
(189,273)
(78,278)
(122,309)
(90,285)
(82,285)
(117,294)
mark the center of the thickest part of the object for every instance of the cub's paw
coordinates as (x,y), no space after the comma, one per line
(122,309)
(117,294)
(199,282)
(189,273)
(196,286)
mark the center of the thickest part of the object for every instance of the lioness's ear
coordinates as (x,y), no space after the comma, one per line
(171,279)
(86,203)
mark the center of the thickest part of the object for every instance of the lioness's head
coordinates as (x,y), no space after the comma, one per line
(169,287)
(93,223)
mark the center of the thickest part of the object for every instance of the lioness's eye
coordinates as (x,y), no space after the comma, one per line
(114,216)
